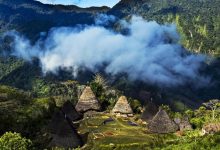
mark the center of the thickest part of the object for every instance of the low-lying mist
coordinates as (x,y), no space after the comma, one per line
(149,52)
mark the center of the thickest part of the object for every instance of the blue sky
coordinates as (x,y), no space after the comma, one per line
(82,3)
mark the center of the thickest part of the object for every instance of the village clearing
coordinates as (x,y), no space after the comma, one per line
(118,133)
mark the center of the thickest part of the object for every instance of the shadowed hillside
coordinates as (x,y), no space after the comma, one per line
(32,17)
(78,103)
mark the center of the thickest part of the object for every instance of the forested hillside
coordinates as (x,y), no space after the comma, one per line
(32,17)
(198,22)
(97,109)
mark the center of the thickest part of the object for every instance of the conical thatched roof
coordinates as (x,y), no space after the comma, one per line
(87,101)
(122,106)
(161,123)
(62,133)
(70,112)
(185,124)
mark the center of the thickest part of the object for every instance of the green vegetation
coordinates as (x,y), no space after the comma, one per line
(8,65)
(198,34)
(202,116)
(64,91)
(40,87)
(22,113)
(118,132)
(198,22)
(209,142)
(106,95)
(14,141)
(27,112)
(119,135)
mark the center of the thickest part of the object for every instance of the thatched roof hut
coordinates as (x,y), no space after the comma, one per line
(70,112)
(122,106)
(183,123)
(62,133)
(161,123)
(87,101)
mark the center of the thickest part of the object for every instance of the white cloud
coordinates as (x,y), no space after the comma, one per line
(150,52)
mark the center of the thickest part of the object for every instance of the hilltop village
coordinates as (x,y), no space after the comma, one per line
(72,126)
(139,75)
(97,116)
(56,123)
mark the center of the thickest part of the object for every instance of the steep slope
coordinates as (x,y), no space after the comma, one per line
(18,108)
(31,17)
(198,21)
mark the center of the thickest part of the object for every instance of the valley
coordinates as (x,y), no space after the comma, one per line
(140,75)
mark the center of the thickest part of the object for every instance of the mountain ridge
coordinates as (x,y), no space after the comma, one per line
(197,21)
(30,20)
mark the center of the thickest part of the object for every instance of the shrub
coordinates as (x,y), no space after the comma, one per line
(197,122)
(136,105)
(189,113)
(14,141)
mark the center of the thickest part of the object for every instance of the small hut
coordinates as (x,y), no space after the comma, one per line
(88,101)
(62,133)
(184,124)
(161,123)
(122,107)
(70,112)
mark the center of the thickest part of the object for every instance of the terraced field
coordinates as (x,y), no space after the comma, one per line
(118,133)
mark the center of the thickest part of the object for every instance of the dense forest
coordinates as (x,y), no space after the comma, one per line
(37,110)
(197,21)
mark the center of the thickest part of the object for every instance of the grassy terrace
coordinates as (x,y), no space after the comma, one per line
(119,134)
(22,113)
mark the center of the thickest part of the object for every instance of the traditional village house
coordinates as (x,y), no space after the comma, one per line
(122,107)
(161,123)
(88,101)
(62,133)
